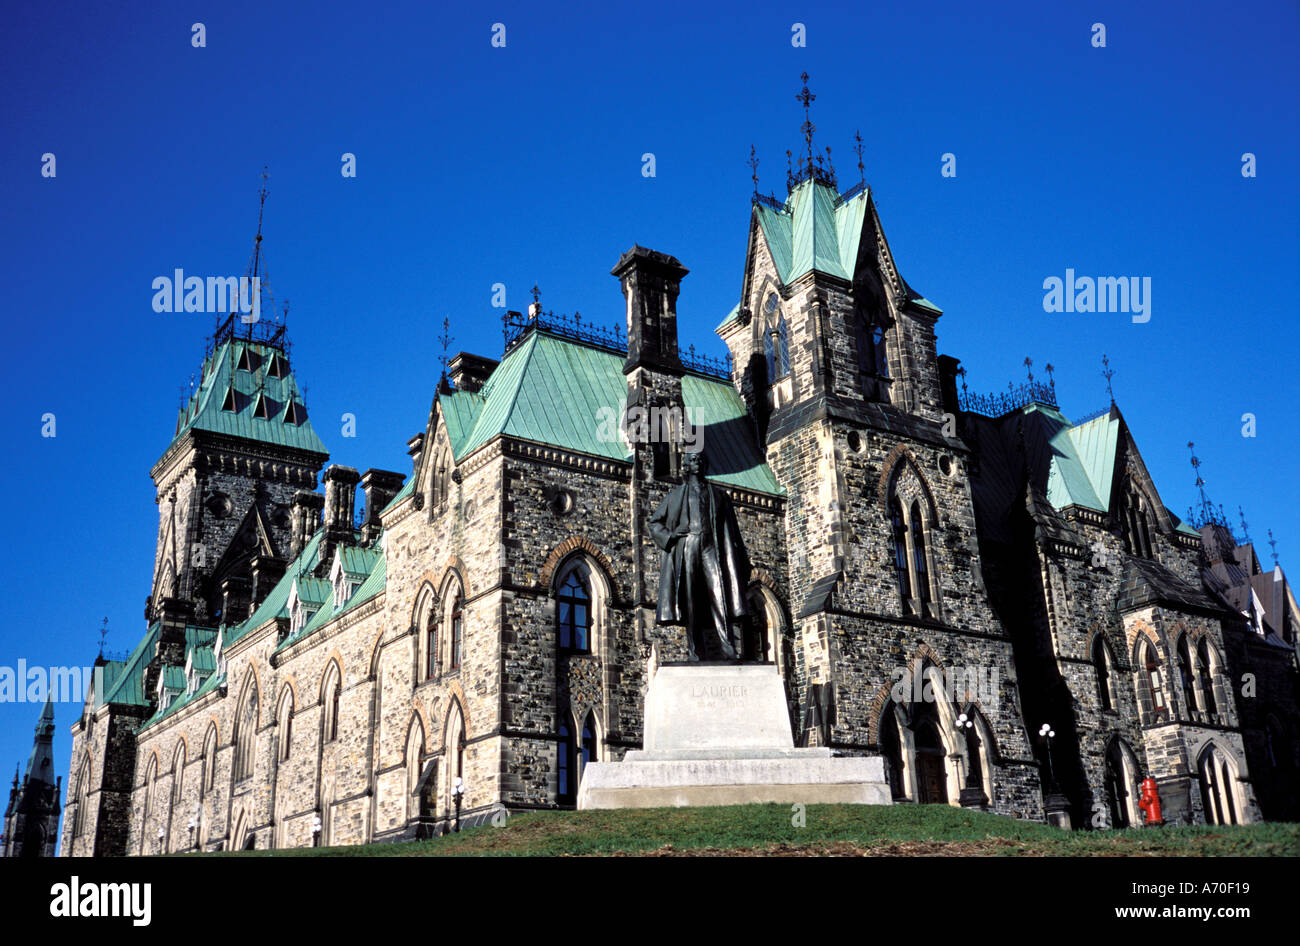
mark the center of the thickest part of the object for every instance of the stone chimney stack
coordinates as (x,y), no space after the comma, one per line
(304,520)
(651,282)
(470,372)
(379,487)
(654,414)
(340,501)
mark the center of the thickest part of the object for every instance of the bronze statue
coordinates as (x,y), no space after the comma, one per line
(704,570)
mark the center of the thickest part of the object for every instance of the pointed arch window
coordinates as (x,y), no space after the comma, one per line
(1101,667)
(1205,671)
(590,746)
(922,573)
(1218,789)
(574,609)
(776,339)
(1185,673)
(442,471)
(457,621)
(178,773)
(150,782)
(284,721)
(1150,664)
(246,736)
(901,570)
(330,699)
(891,747)
(209,762)
(566,762)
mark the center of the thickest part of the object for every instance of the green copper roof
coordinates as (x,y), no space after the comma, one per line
(1097,443)
(358,560)
(128,687)
(252,403)
(372,586)
(570,395)
(731,317)
(816,230)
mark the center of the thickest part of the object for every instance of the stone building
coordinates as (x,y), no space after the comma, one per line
(32,817)
(935,575)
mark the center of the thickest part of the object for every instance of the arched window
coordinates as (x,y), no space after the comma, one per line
(901,570)
(441,481)
(566,788)
(776,339)
(590,746)
(150,783)
(1154,684)
(573,615)
(1120,783)
(83,798)
(1101,667)
(331,692)
(414,765)
(178,773)
(454,749)
(246,734)
(922,573)
(284,722)
(457,630)
(426,629)
(209,761)
(1185,673)
(1205,671)
(1218,786)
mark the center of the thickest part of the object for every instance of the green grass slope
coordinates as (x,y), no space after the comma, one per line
(843,830)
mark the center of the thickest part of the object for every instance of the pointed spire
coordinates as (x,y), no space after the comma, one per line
(807,129)
(1029,367)
(1207,513)
(857,148)
(753,167)
(1108,372)
(1273,544)
(1051,380)
(1245,529)
(445,340)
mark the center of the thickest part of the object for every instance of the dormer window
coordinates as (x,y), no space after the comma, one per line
(292,414)
(278,367)
(263,407)
(229,403)
(245,362)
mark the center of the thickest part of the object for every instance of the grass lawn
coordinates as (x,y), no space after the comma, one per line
(835,830)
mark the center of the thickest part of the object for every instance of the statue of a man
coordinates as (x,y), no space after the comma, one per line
(704,570)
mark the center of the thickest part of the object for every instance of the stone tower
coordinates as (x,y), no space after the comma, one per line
(32,818)
(836,357)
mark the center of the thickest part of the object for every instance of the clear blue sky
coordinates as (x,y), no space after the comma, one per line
(479,165)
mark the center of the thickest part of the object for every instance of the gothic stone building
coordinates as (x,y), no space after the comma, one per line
(31,826)
(922,560)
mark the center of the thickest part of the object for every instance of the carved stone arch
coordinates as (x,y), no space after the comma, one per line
(575,544)
(975,712)
(924,653)
(375,653)
(882,698)
(425,592)
(420,715)
(290,683)
(1118,658)
(334,661)
(214,726)
(454,566)
(1143,631)
(894,472)
(455,698)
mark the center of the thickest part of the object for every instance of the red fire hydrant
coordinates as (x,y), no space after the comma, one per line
(1150,802)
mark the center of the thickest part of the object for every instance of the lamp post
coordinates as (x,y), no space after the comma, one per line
(316,827)
(1055,805)
(972,792)
(458,796)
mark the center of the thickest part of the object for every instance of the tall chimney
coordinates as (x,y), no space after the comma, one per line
(379,486)
(304,520)
(650,283)
(654,414)
(340,499)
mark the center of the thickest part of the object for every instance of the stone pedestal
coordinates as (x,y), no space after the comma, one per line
(719,734)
